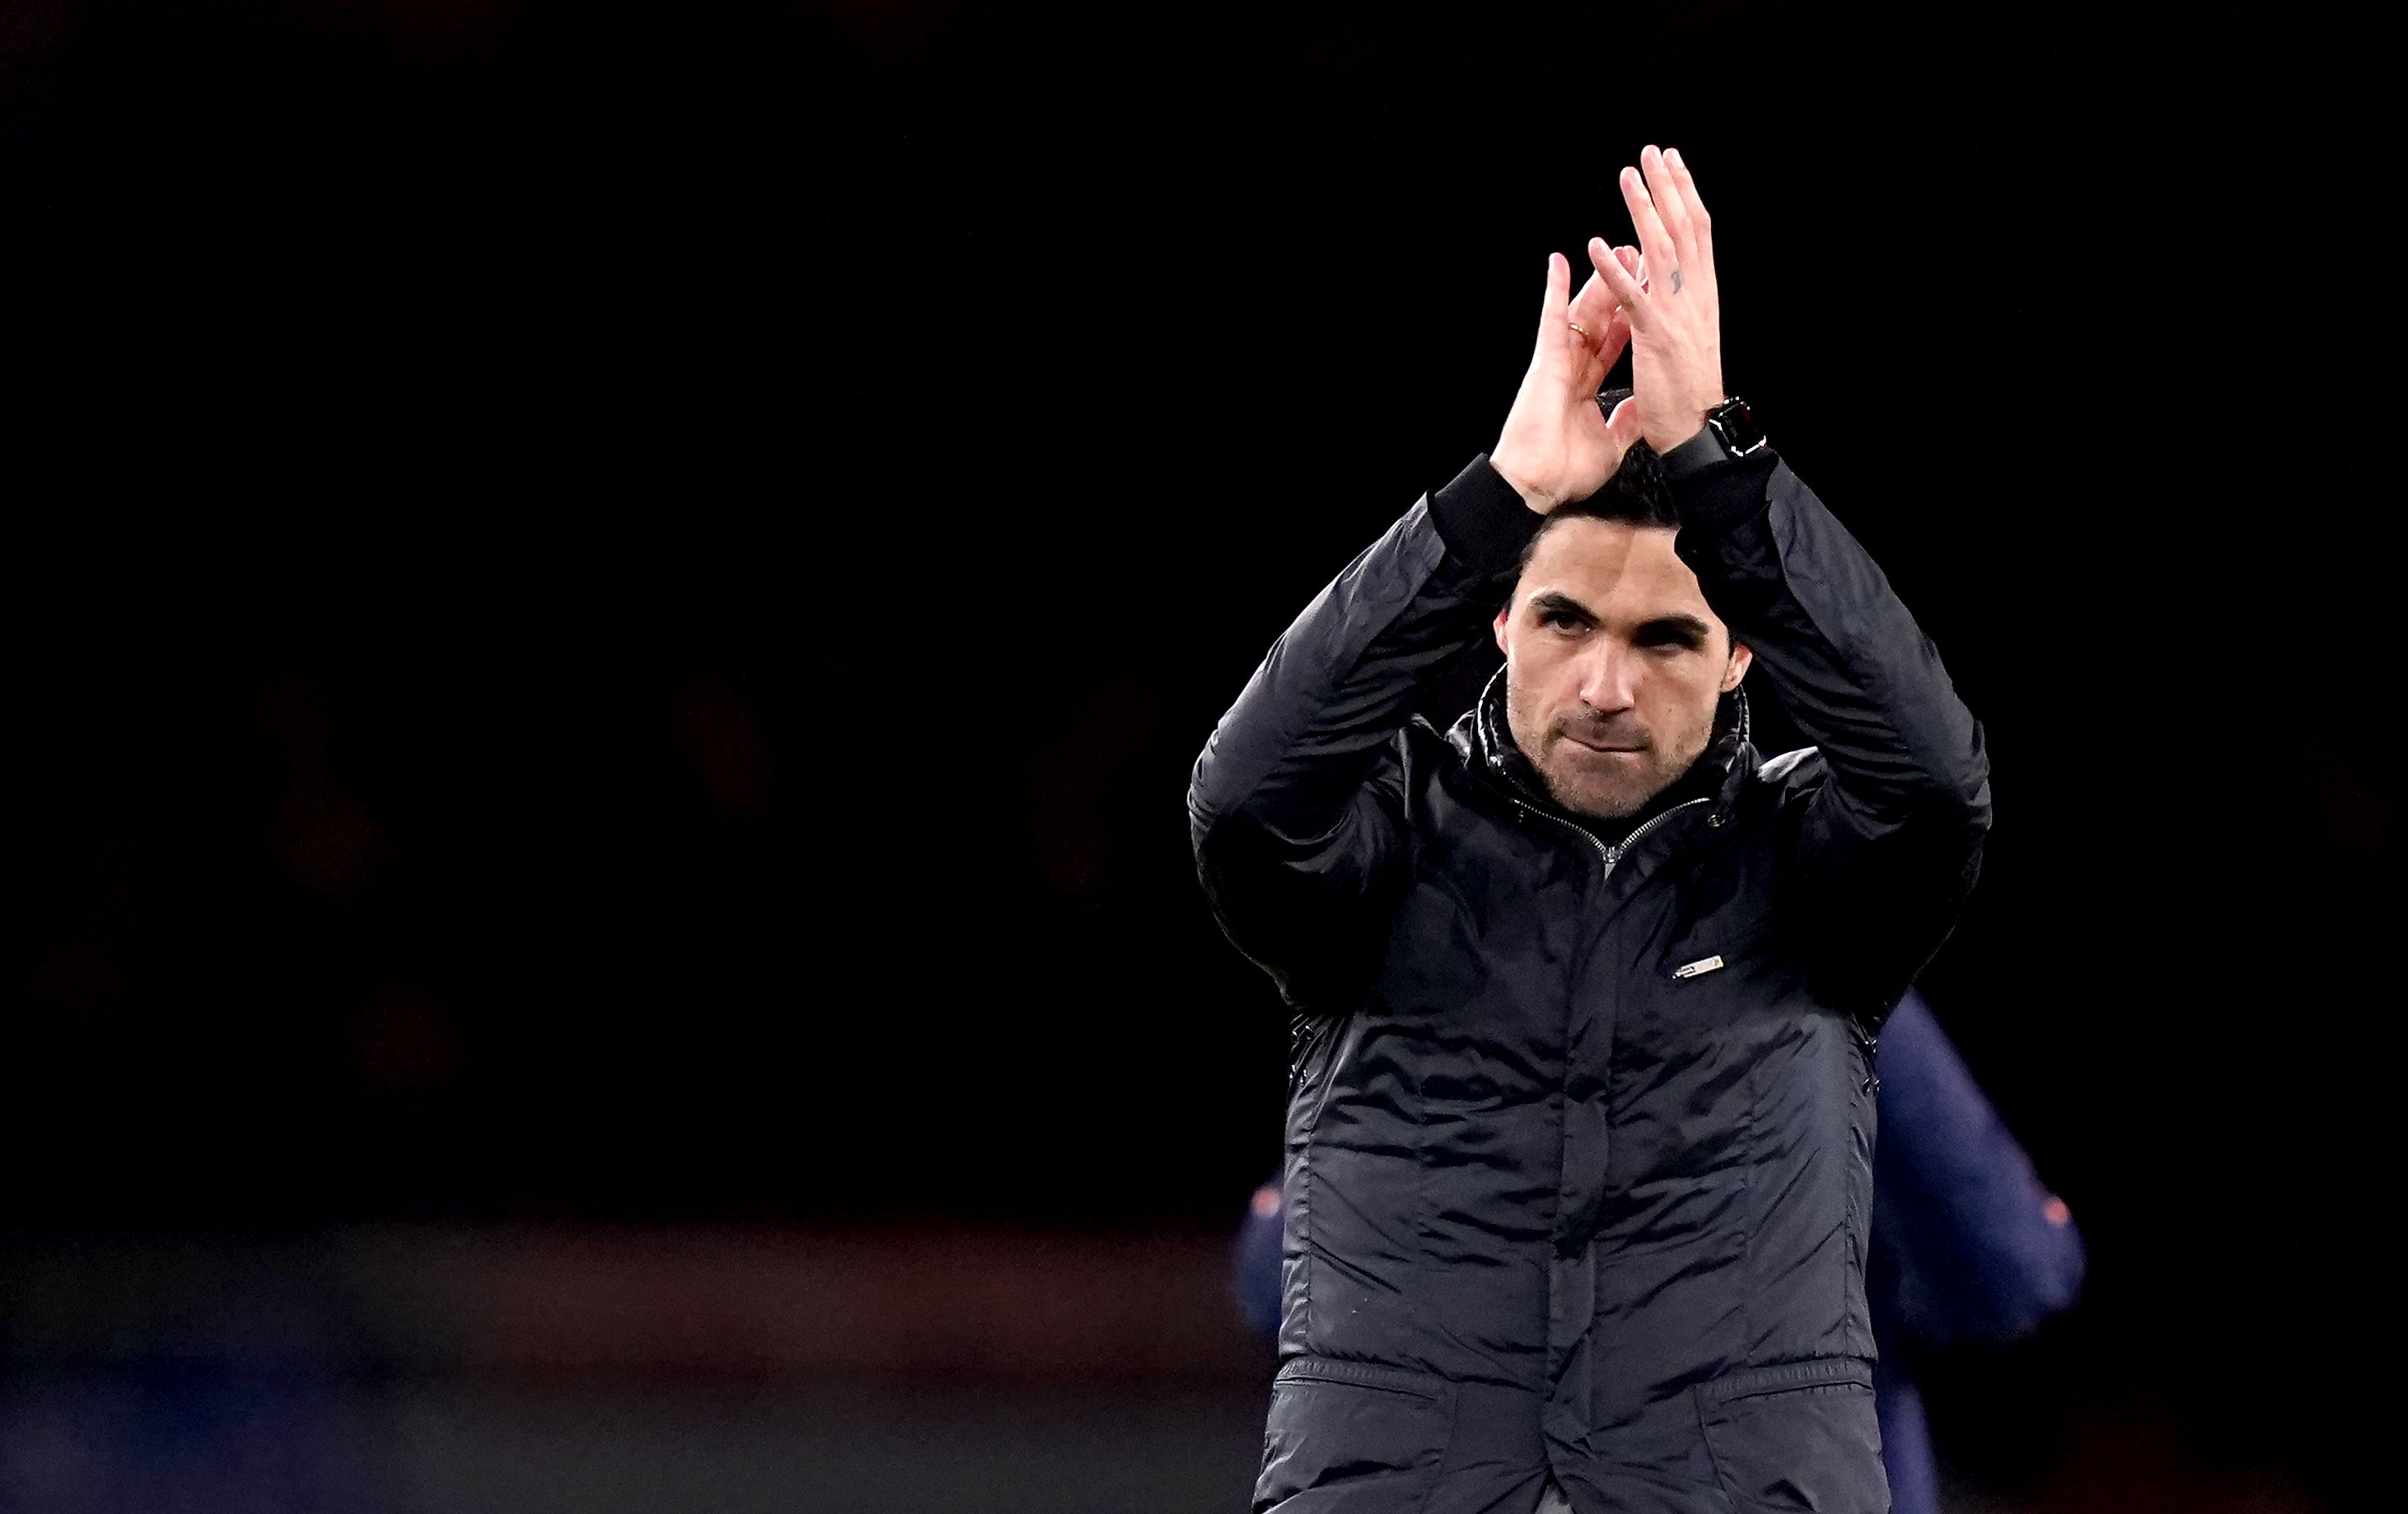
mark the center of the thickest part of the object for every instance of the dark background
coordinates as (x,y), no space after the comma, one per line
(607,606)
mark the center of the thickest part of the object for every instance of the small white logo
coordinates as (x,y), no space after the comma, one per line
(1697,968)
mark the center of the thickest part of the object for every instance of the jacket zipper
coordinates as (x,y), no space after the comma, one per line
(1610,856)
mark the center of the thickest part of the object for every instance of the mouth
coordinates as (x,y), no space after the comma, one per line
(1614,749)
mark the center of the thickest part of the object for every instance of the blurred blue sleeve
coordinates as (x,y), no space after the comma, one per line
(1967,1244)
(1258,1261)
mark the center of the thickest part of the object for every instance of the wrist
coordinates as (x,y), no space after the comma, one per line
(1510,469)
(1680,422)
(1675,438)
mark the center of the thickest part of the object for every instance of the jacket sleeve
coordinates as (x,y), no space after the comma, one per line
(1295,807)
(1976,1248)
(1888,846)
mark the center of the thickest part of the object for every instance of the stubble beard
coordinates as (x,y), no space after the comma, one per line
(1576,784)
(1598,787)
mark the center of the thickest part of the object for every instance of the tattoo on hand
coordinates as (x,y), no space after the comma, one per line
(1676,281)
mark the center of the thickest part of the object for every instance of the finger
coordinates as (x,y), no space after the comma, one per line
(1634,263)
(1598,334)
(1608,340)
(1624,423)
(1622,281)
(1670,204)
(1594,304)
(1655,243)
(1554,311)
(1701,225)
(1595,308)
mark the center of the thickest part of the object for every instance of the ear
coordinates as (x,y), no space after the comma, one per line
(1504,613)
(1737,670)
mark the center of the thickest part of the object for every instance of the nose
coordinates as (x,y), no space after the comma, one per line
(1608,675)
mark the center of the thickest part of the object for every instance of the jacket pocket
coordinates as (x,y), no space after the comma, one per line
(1347,1437)
(1800,1437)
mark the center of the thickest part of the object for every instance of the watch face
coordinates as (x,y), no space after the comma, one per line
(1736,427)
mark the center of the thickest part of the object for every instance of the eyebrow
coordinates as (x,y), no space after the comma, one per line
(1551,602)
(1686,629)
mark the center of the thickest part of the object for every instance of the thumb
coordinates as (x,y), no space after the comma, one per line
(1624,425)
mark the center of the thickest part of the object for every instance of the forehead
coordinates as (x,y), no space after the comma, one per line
(1617,572)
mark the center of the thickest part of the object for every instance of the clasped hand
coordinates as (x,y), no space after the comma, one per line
(1659,301)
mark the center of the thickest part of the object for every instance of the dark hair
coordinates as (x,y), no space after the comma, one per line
(1635,496)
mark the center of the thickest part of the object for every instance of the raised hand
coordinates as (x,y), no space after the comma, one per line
(1675,312)
(1557,444)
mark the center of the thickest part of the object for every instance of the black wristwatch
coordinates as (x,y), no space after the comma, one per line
(1735,428)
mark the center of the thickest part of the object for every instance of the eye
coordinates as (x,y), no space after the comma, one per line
(1560,620)
(1670,640)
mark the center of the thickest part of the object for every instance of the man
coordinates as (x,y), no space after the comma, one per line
(1579,1149)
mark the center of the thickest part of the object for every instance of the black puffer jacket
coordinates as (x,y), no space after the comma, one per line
(1580,1135)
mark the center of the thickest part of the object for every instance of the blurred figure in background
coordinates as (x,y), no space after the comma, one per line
(1967,1244)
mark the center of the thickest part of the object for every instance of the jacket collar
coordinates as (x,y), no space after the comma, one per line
(1485,741)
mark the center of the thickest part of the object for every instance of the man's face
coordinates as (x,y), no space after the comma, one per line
(1613,666)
